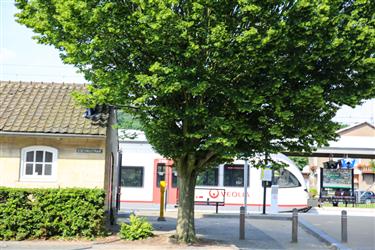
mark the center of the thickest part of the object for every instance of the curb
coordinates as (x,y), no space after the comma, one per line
(321,235)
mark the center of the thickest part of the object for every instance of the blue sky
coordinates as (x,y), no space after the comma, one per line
(22,59)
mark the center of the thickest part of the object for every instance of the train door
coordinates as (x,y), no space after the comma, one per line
(164,171)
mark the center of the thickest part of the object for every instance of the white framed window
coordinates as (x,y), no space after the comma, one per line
(38,163)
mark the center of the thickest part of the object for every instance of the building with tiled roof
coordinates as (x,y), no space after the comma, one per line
(48,140)
(53,110)
(356,145)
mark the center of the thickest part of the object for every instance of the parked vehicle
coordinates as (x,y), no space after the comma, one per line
(366,197)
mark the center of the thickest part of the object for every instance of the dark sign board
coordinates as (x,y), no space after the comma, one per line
(90,150)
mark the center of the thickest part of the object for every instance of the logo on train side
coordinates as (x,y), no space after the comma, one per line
(214,193)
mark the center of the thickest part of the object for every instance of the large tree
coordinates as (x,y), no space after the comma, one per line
(214,79)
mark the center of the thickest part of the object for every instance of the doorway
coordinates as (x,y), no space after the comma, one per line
(164,171)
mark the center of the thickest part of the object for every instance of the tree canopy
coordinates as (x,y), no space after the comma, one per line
(212,79)
(127,121)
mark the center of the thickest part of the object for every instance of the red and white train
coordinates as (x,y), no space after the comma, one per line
(143,169)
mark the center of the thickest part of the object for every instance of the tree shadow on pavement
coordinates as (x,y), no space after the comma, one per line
(227,231)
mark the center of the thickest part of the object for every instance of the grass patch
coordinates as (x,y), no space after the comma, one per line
(371,205)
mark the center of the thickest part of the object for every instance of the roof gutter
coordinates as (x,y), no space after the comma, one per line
(53,135)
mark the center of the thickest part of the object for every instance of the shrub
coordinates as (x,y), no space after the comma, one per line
(138,228)
(45,213)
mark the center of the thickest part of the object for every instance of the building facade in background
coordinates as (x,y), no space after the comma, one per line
(48,141)
(354,148)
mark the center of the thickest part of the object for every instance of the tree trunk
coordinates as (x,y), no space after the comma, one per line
(185,230)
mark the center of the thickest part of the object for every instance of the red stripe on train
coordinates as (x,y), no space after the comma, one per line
(228,204)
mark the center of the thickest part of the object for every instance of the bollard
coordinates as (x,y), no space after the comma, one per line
(162,207)
(242,223)
(344,226)
(295,226)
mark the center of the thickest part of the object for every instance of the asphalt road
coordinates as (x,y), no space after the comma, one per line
(361,229)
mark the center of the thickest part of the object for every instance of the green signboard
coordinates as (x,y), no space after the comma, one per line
(337,178)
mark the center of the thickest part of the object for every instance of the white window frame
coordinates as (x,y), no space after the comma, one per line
(42,178)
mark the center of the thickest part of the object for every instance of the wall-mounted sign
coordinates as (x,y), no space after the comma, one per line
(90,150)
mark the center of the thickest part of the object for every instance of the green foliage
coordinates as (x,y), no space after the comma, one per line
(301,162)
(372,165)
(343,125)
(138,228)
(127,121)
(217,78)
(211,80)
(313,192)
(45,213)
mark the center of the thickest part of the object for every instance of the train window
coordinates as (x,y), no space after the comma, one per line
(233,175)
(210,177)
(285,179)
(132,177)
(160,173)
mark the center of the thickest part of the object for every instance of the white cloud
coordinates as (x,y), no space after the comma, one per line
(6,55)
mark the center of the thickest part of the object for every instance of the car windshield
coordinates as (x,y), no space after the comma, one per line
(365,194)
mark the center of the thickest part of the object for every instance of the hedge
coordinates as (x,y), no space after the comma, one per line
(45,213)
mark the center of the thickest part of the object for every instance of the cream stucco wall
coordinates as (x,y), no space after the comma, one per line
(73,169)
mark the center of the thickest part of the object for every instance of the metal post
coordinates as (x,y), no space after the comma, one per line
(295,226)
(162,205)
(265,185)
(165,197)
(217,207)
(245,180)
(264,196)
(344,226)
(242,223)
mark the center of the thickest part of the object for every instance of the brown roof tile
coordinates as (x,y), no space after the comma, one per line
(44,108)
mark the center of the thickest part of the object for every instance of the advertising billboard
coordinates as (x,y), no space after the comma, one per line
(337,178)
